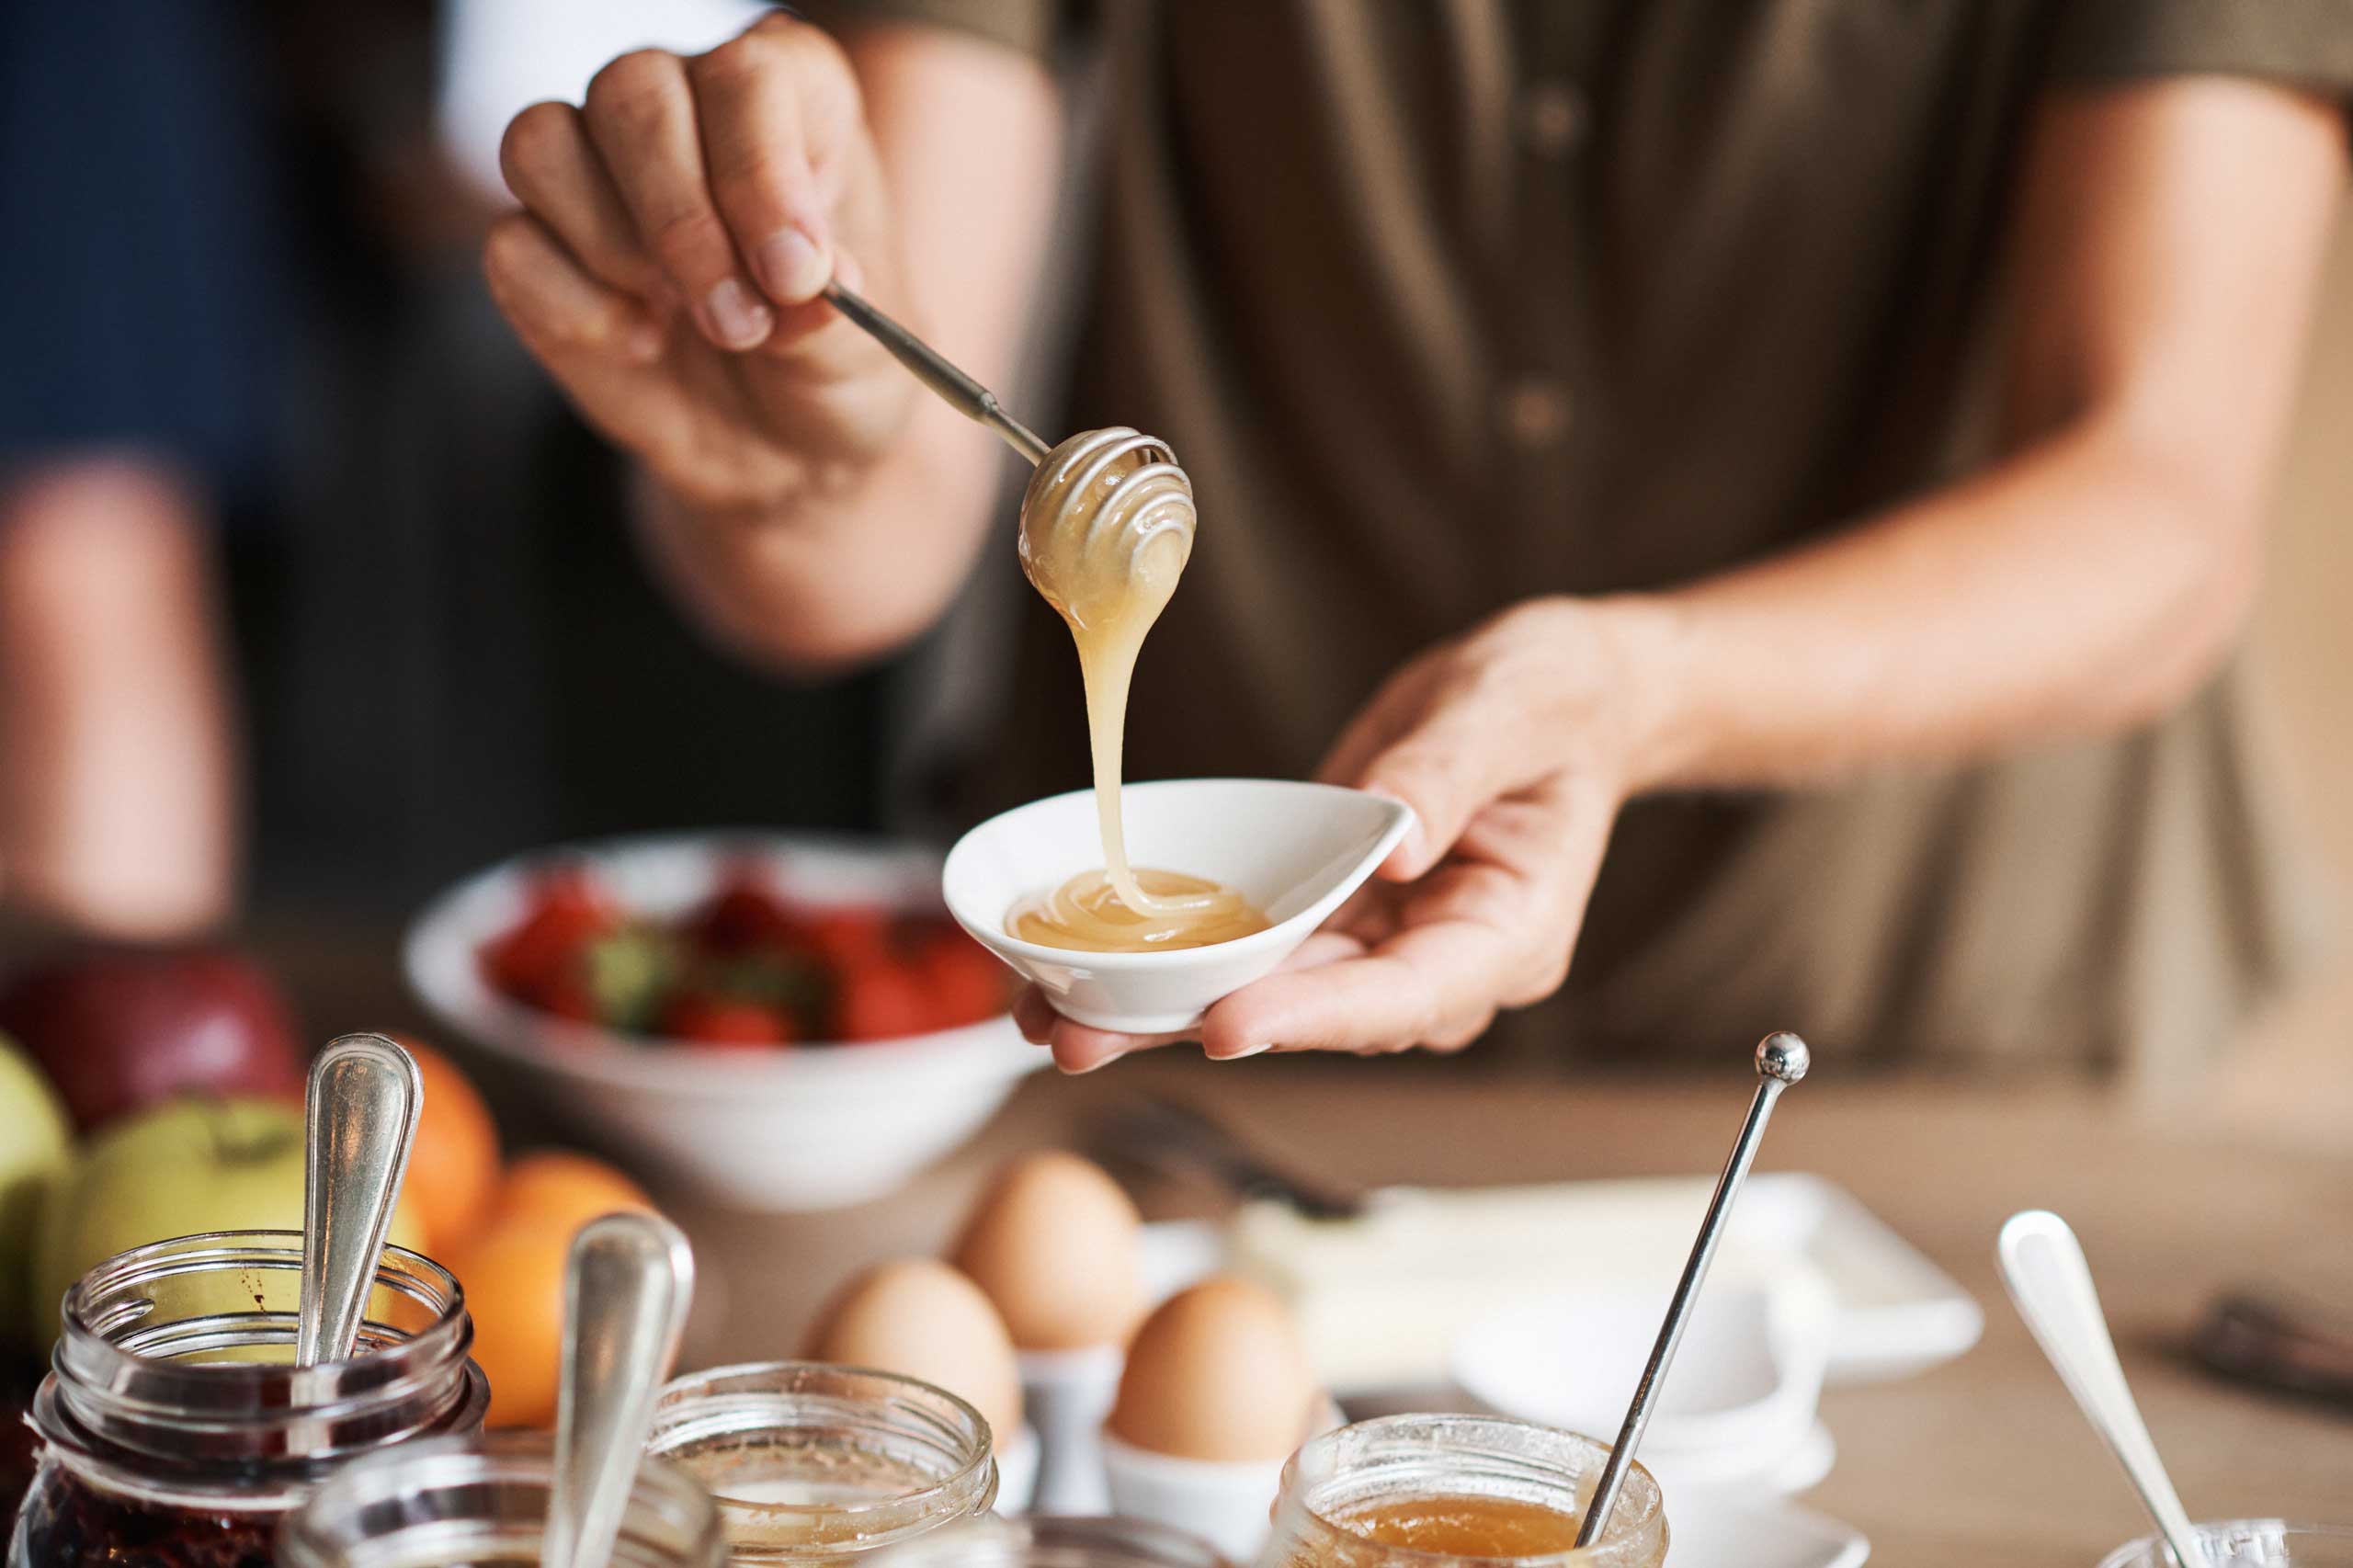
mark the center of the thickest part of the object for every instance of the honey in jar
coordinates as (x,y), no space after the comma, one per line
(1472,1489)
(1464,1527)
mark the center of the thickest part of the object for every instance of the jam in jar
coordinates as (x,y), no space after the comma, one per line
(174,1430)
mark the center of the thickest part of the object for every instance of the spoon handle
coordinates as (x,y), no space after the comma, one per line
(2043,1265)
(625,1294)
(1782,1059)
(359,1114)
(963,394)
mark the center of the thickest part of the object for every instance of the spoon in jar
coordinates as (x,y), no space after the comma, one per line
(1782,1060)
(359,1114)
(626,1290)
(2042,1264)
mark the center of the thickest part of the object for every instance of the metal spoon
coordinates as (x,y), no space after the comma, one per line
(961,393)
(360,1121)
(626,1290)
(2042,1263)
(1782,1060)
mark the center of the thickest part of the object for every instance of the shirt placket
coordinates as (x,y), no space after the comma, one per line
(1546,415)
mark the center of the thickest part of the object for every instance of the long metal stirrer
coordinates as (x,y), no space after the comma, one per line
(1782,1060)
(963,394)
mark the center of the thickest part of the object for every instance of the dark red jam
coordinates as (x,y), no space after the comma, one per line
(67,1523)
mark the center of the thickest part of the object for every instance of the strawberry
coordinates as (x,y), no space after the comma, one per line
(724,1021)
(880,998)
(966,982)
(744,915)
(568,912)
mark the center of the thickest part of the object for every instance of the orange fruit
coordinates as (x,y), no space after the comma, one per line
(558,1186)
(453,1169)
(513,1275)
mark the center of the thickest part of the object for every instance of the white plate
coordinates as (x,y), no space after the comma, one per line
(1382,1298)
(1715,1531)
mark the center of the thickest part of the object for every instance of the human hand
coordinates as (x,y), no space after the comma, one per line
(676,229)
(1515,746)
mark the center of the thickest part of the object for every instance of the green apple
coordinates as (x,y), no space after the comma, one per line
(34,1143)
(186,1166)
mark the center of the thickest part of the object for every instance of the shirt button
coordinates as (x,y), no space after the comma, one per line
(1552,118)
(1534,412)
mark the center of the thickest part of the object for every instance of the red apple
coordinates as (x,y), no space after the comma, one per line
(119,1030)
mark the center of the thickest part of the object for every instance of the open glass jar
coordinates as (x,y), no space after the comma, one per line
(480,1502)
(812,1463)
(1339,1484)
(174,1429)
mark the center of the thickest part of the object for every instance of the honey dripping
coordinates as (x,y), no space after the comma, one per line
(1106,527)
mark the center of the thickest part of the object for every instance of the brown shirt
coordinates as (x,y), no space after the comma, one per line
(1444,304)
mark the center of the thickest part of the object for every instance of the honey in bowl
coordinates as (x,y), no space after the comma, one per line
(1106,527)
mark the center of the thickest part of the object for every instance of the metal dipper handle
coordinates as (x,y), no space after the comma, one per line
(360,1116)
(1782,1060)
(961,393)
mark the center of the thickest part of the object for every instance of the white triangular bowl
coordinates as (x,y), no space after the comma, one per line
(1295,850)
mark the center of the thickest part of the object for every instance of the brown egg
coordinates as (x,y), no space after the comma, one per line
(1217,1372)
(1057,1246)
(921,1318)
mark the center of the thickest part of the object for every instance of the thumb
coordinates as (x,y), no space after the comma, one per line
(1448,769)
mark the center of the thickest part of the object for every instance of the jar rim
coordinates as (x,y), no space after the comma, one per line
(661,1493)
(118,1392)
(274,1249)
(2209,1532)
(694,1408)
(1403,1439)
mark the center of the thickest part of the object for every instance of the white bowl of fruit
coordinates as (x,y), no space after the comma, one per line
(781,1022)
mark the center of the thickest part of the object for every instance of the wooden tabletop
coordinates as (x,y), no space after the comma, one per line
(1982,1461)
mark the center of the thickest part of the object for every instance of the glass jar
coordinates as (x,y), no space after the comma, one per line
(174,1430)
(480,1502)
(2249,1544)
(1415,1459)
(1050,1540)
(810,1463)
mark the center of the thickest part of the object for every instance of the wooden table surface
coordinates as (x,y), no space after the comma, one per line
(1982,1461)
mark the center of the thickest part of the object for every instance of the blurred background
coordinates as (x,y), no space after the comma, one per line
(315,601)
(315,598)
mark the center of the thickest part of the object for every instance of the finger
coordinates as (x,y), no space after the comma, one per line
(557,175)
(1454,761)
(640,118)
(772,104)
(1034,1015)
(1393,710)
(1431,984)
(1079,1048)
(596,339)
